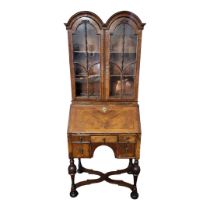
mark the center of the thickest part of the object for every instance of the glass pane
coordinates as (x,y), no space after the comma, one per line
(129,69)
(94,80)
(86,60)
(94,85)
(81,86)
(123,43)
(115,86)
(128,59)
(80,70)
(116,60)
(79,39)
(92,39)
(114,69)
(93,59)
(95,69)
(80,58)
(117,39)
(128,86)
(130,39)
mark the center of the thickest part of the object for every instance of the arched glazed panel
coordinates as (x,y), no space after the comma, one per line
(104,57)
(86,55)
(124,38)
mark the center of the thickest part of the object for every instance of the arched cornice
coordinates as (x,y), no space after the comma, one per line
(82,14)
(125,14)
(97,19)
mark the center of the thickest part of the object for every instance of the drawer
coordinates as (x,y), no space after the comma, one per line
(125,150)
(80,150)
(127,139)
(82,138)
(104,139)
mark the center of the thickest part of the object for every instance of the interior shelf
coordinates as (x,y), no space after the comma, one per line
(89,52)
(122,52)
(124,75)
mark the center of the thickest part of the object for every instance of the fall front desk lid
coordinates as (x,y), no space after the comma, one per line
(104,119)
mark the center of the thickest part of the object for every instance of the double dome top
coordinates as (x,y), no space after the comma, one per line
(97,19)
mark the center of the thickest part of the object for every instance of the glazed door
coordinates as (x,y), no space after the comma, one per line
(86,59)
(122,60)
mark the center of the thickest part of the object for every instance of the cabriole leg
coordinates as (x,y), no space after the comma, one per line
(72,171)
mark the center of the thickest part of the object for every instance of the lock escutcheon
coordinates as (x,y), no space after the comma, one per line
(104,109)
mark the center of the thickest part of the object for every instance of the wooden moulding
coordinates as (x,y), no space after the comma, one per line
(108,23)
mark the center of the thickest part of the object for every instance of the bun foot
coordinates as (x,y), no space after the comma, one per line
(74,194)
(134,195)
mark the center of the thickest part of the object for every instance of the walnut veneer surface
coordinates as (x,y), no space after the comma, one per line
(104,63)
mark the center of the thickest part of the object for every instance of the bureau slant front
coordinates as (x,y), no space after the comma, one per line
(104,66)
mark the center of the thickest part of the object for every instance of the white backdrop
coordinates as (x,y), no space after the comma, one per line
(174,105)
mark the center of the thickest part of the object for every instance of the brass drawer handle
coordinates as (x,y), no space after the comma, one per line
(125,139)
(80,138)
(126,148)
(81,151)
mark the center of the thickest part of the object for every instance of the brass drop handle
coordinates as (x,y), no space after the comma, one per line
(126,148)
(81,150)
(104,139)
(80,138)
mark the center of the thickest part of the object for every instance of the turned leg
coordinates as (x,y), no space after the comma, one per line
(130,166)
(136,171)
(72,171)
(79,170)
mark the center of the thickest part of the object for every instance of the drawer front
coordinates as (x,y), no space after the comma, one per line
(80,138)
(80,150)
(104,139)
(125,150)
(127,139)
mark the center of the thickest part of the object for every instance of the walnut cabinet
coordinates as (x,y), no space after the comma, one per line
(104,67)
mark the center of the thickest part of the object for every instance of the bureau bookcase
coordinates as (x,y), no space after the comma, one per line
(104,66)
